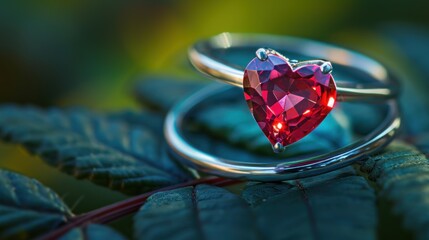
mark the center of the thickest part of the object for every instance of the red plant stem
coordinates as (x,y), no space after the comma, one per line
(120,209)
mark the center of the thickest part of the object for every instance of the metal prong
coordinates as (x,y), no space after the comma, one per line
(262,54)
(278,148)
(326,67)
(274,52)
(293,62)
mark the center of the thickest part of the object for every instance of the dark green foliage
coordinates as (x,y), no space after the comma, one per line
(337,205)
(92,232)
(402,173)
(110,151)
(200,212)
(27,208)
(322,207)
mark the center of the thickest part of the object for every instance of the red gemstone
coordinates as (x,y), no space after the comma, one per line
(287,103)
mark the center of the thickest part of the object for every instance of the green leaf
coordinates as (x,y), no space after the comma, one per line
(402,173)
(92,232)
(336,205)
(108,150)
(168,91)
(27,208)
(201,212)
(146,119)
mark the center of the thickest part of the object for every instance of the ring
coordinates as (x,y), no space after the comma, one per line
(288,99)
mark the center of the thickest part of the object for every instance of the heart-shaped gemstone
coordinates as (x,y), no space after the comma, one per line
(287,103)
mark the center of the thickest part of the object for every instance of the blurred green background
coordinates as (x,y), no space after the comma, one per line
(91,52)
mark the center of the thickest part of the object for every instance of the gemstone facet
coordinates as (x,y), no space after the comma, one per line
(287,103)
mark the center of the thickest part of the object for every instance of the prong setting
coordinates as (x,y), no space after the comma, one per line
(262,54)
(293,62)
(278,148)
(326,67)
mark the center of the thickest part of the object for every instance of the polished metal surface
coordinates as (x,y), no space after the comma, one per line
(379,85)
(308,166)
(203,56)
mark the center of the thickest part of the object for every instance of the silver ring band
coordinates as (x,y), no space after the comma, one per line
(205,162)
(369,81)
(203,56)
